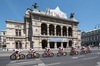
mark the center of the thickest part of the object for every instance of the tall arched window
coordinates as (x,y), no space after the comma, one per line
(64,31)
(58,30)
(43,29)
(70,31)
(51,29)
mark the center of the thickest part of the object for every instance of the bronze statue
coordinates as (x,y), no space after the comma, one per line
(35,5)
(72,15)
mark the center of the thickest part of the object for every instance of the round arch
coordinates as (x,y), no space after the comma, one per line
(51,29)
(70,31)
(44,44)
(58,30)
(70,43)
(64,31)
(44,29)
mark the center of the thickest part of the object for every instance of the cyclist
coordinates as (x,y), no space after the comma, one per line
(47,50)
(61,50)
(88,49)
(73,49)
(17,53)
(83,49)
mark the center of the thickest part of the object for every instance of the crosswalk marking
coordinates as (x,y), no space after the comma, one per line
(98,64)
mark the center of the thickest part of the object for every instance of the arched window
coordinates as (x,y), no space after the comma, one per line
(51,29)
(43,29)
(69,31)
(58,30)
(64,31)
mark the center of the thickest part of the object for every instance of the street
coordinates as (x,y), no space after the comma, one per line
(90,59)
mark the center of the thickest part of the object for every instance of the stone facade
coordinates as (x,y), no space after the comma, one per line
(40,30)
(91,37)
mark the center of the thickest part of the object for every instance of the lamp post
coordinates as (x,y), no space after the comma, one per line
(97,26)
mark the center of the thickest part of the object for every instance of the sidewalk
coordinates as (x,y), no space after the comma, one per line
(25,51)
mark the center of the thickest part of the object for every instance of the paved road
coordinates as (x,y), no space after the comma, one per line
(91,59)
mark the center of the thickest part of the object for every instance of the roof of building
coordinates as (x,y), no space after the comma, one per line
(53,13)
(12,21)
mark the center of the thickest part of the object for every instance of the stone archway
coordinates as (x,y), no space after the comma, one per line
(70,32)
(58,30)
(64,44)
(70,43)
(64,31)
(43,29)
(44,44)
(51,29)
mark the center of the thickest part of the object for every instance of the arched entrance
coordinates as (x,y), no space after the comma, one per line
(18,45)
(64,44)
(44,44)
(70,43)
(58,44)
(52,44)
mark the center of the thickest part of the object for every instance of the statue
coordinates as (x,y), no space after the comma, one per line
(35,5)
(72,15)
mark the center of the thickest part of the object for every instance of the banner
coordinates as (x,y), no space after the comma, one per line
(58,40)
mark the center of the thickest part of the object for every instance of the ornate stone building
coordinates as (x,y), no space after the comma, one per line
(91,37)
(43,29)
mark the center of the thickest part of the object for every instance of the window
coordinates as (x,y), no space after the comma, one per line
(18,32)
(3,33)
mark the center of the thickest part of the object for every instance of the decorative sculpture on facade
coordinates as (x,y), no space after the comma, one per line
(72,15)
(35,6)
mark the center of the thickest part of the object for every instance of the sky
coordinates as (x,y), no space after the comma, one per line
(87,12)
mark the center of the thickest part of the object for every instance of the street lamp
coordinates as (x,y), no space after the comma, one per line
(97,26)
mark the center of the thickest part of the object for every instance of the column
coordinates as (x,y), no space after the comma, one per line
(48,29)
(67,31)
(61,44)
(55,45)
(67,44)
(40,44)
(48,45)
(55,30)
(61,31)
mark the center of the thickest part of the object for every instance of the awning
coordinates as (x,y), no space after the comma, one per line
(58,39)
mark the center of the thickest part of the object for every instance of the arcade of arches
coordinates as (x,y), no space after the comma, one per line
(56,30)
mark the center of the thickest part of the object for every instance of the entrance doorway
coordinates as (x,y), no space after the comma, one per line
(64,44)
(44,44)
(18,45)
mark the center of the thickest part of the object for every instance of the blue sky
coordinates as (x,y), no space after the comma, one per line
(87,12)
